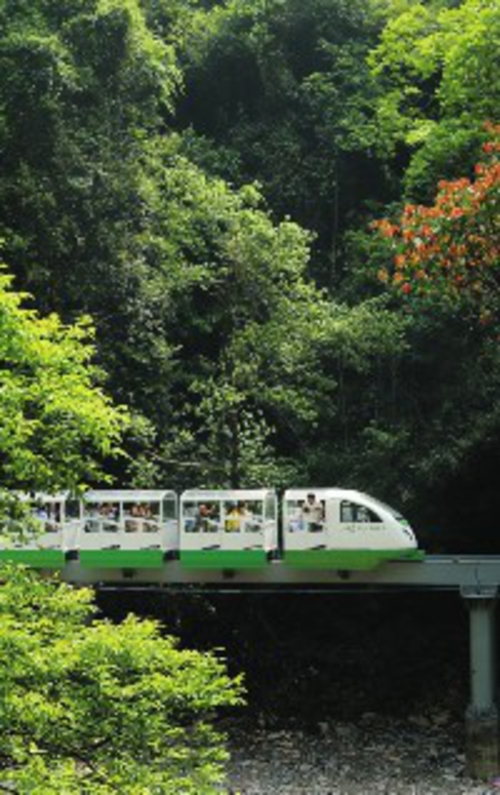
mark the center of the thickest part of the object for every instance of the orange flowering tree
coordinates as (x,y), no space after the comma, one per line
(449,252)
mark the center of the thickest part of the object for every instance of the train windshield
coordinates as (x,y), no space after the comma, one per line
(396,514)
(352,512)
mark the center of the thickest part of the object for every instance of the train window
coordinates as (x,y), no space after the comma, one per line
(306,515)
(253,516)
(270,507)
(72,509)
(49,515)
(169,511)
(132,514)
(313,513)
(209,517)
(141,517)
(109,513)
(92,526)
(233,517)
(151,517)
(201,517)
(190,510)
(295,520)
(103,516)
(353,513)
(243,516)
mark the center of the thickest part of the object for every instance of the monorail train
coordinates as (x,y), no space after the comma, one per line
(218,529)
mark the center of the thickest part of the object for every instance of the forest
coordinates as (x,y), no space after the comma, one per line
(254,242)
(281,220)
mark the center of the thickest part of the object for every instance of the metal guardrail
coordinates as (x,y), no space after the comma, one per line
(470,574)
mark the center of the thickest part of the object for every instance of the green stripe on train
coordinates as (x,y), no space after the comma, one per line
(224,559)
(349,559)
(121,558)
(35,558)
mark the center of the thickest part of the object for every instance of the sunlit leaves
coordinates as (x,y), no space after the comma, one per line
(91,707)
(55,420)
(438,74)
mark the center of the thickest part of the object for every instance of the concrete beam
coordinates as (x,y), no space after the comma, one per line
(450,572)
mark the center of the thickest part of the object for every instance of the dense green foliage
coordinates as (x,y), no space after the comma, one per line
(200,178)
(438,71)
(208,180)
(87,706)
(55,421)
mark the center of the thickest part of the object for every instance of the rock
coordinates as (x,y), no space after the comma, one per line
(374,755)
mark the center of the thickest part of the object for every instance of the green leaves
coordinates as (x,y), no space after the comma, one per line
(55,421)
(438,73)
(102,708)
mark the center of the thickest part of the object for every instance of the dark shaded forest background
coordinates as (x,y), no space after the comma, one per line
(201,178)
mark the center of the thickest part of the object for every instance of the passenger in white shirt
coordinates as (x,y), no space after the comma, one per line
(313,513)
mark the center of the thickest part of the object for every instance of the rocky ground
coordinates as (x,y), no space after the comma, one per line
(373,756)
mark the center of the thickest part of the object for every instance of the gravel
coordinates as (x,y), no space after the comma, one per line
(372,756)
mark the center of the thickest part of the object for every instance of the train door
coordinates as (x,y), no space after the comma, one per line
(170,521)
(270,522)
(71,524)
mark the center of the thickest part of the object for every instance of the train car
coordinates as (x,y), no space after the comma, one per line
(51,532)
(127,528)
(342,529)
(328,528)
(233,529)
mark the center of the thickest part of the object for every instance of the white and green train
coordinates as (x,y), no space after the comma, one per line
(329,528)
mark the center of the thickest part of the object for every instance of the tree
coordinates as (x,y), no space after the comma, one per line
(439,265)
(91,707)
(450,252)
(438,74)
(281,93)
(56,423)
(86,84)
(243,323)
(188,281)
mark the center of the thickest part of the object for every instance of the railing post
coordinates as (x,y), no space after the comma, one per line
(481,719)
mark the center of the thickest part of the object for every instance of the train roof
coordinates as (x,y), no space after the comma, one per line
(226,494)
(40,496)
(324,492)
(127,495)
(339,494)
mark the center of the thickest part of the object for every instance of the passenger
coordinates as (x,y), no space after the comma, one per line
(243,510)
(251,520)
(206,521)
(53,518)
(132,525)
(109,515)
(41,513)
(233,519)
(313,513)
(150,524)
(146,511)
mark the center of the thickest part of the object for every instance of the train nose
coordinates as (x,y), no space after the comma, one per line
(410,535)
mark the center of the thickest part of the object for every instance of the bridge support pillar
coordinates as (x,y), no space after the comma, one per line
(482,719)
